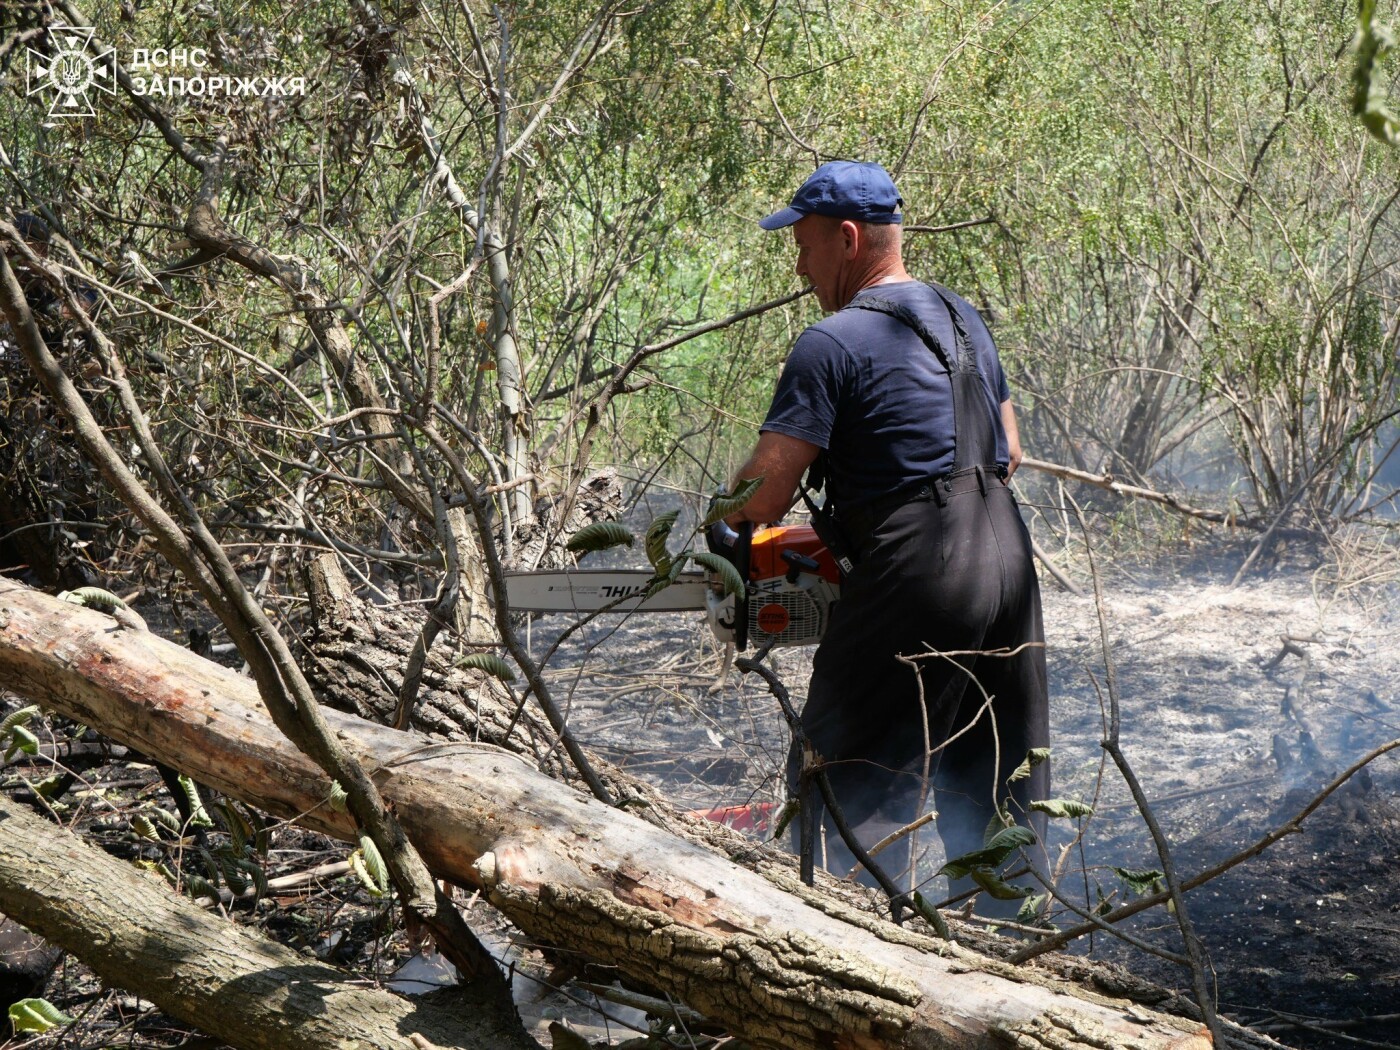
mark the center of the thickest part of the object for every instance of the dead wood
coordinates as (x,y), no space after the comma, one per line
(134,932)
(1110,483)
(739,947)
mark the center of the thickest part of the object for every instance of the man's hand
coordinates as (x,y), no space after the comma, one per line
(780,460)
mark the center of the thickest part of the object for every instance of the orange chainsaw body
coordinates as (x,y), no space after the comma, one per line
(789,598)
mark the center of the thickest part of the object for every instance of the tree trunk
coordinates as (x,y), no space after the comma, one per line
(354,658)
(601,882)
(134,932)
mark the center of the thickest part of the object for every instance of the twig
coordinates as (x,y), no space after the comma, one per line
(1195,956)
(647,1003)
(1112,484)
(1055,571)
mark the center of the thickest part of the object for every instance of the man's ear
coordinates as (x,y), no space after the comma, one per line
(850,239)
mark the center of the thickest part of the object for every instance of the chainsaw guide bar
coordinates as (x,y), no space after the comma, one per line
(588,590)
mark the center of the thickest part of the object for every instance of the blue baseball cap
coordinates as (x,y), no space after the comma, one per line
(843,189)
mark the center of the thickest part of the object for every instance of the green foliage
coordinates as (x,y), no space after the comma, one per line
(1034,757)
(338,800)
(199,818)
(1142,881)
(1032,909)
(1369,101)
(93,598)
(1063,807)
(1003,844)
(600,536)
(721,567)
(13,734)
(723,506)
(998,887)
(36,1015)
(368,866)
(663,580)
(931,916)
(489,663)
(656,535)
(790,809)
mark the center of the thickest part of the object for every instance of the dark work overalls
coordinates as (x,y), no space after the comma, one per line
(944,566)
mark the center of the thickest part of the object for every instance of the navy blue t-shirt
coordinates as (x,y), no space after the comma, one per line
(863,386)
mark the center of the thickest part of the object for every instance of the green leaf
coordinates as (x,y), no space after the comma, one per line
(141,824)
(729,576)
(931,916)
(1000,821)
(211,866)
(661,582)
(1063,807)
(259,877)
(599,536)
(164,816)
(156,868)
(198,817)
(723,506)
(374,863)
(51,786)
(1002,891)
(338,800)
(1003,844)
(1141,881)
(361,872)
(1105,903)
(1034,757)
(22,739)
(93,598)
(36,1015)
(240,831)
(21,717)
(1030,909)
(197,886)
(234,876)
(490,663)
(657,533)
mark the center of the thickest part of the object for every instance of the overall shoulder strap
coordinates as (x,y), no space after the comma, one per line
(902,313)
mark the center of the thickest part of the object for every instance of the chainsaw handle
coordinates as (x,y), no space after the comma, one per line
(736,547)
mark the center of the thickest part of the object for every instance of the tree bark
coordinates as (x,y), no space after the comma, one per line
(137,934)
(355,654)
(607,885)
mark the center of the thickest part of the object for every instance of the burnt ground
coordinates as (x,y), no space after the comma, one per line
(1238,705)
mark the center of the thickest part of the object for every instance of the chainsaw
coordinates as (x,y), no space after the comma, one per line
(791,579)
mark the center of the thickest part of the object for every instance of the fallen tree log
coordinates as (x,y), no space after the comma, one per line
(135,933)
(568,870)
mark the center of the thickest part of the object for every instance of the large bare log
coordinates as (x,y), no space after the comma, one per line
(567,869)
(135,933)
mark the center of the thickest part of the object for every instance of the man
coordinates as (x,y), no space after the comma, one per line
(915,437)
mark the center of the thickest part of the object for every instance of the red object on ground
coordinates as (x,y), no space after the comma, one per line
(753,817)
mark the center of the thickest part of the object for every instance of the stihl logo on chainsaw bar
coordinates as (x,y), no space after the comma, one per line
(619,591)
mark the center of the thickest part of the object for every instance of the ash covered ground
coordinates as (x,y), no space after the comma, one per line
(1238,705)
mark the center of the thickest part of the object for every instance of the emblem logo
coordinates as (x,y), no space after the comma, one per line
(70,71)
